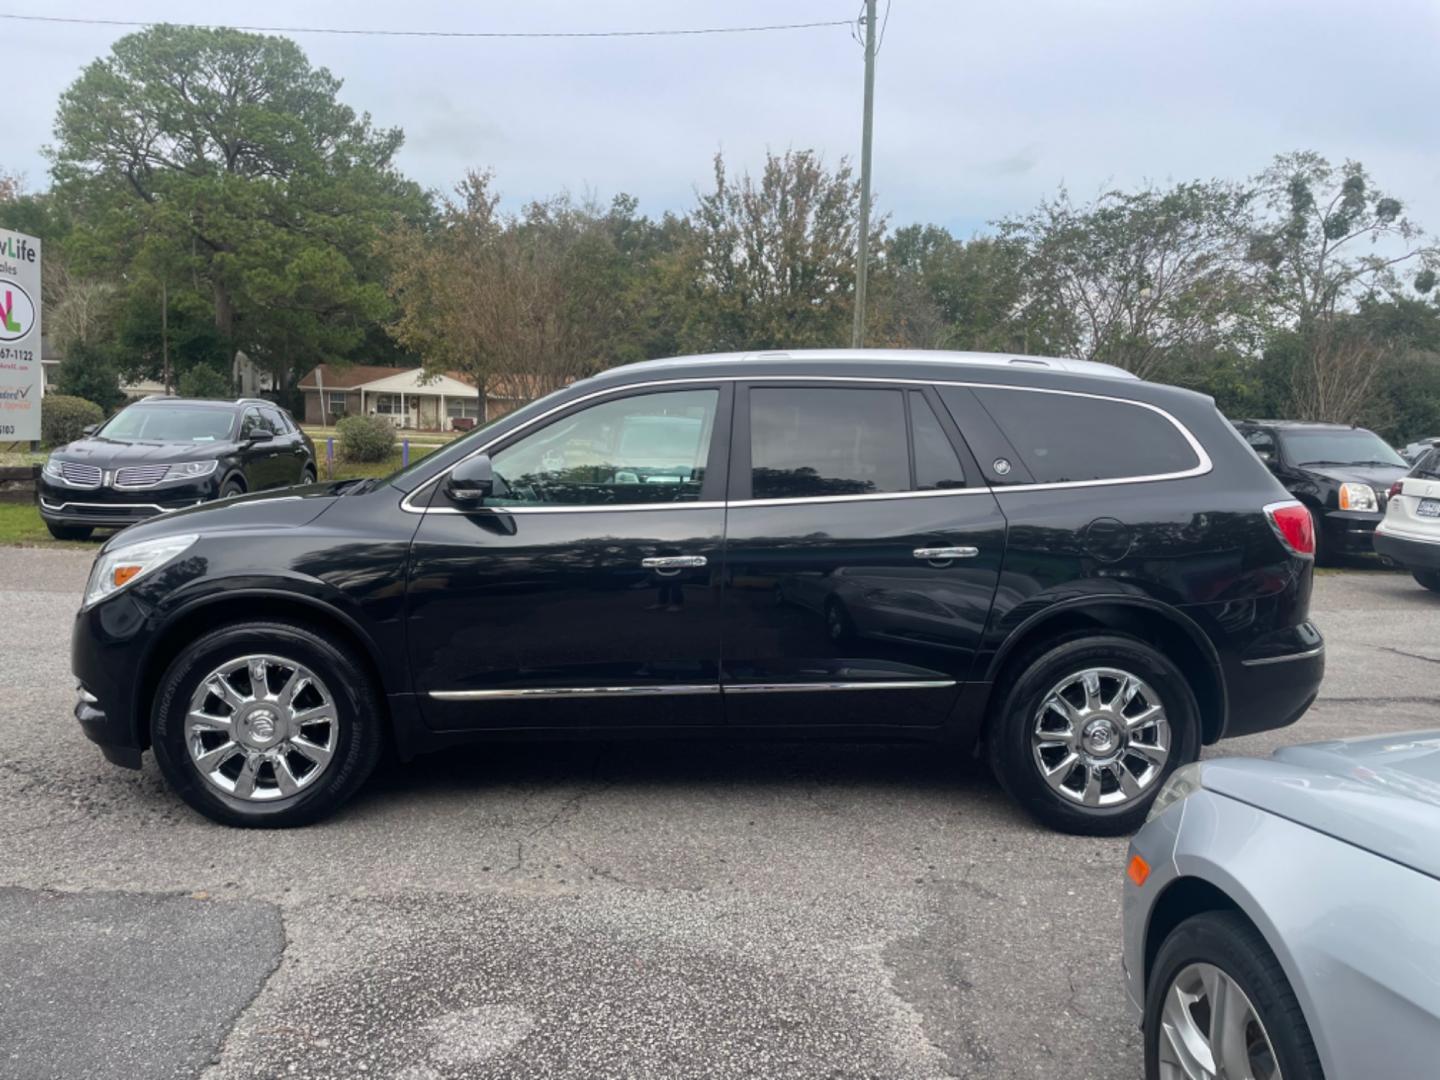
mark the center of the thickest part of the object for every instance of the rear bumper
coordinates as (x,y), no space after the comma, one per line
(1420,554)
(1275,682)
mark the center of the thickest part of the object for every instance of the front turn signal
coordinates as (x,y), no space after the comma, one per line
(1138,871)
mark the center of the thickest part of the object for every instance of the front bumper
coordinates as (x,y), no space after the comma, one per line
(1349,531)
(108,507)
(1411,553)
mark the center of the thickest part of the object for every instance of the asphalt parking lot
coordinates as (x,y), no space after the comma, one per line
(583,911)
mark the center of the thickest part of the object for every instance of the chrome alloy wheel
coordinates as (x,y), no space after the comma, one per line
(1209,1029)
(1100,737)
(261,728)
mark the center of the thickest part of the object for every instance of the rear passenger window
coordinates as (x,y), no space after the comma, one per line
(1069,437)
(1428,467)
(936,463)
(810,442)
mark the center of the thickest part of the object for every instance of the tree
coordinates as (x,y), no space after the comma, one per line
(1330,239)
(770,264)
(224,161)
(934,291)
(204,381)
(1136,277)
(88,371)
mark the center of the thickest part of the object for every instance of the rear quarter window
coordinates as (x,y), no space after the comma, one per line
(1070,437)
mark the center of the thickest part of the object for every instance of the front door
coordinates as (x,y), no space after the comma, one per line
(862,556)
(586,591)
(265,461)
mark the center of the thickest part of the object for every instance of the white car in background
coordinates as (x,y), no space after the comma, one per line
(1410,532)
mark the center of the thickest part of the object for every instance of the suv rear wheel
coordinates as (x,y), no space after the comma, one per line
(1090,730)
(266,724)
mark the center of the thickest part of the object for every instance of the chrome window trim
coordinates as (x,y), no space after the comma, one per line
(659,690)
(1203,463)
(796,688)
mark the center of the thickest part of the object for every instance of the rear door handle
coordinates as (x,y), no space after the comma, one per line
(939,554)
(673,562)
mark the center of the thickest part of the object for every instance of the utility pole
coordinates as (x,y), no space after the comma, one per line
(857,336)
(165,330)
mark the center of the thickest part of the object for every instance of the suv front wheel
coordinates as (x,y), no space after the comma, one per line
(266,724)
(1090,730)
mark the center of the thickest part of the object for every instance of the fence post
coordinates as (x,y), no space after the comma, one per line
(330,458)
(404,453)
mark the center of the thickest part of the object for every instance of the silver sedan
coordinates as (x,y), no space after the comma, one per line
(1282,916)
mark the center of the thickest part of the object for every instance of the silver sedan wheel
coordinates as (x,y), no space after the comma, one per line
(1100,737)
(1209,1029)
(261,728)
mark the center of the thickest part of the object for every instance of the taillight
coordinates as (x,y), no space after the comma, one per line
(1395,489)
(1294,525)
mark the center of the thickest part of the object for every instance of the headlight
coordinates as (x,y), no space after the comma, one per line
(1183,782)
(53,468)
(116,569)
(190,470)
(1358,497)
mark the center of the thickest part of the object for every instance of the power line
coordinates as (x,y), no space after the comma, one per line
(692,32)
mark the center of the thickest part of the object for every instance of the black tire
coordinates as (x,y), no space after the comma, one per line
(357,704)
(307,475)
(69,532)
(1229,942)
(1010,742)
(231,488)
(1428,578)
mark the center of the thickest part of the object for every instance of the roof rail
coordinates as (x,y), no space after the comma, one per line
(253,401)
(155,397)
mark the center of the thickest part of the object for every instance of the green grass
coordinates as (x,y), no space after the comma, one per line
(432,438)
(20,525)
(351,470)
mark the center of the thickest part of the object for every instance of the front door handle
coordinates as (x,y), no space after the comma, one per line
(673,562)
(946,553)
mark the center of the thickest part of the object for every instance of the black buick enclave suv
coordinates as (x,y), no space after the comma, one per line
(163,454)
(1085,575)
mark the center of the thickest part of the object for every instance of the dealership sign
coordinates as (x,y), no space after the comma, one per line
(20,373)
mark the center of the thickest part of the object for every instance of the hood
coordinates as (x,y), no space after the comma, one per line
(1380,477)
(106,453)
(287,508)
(1378,793)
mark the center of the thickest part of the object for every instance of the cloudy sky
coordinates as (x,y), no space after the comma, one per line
(981,107)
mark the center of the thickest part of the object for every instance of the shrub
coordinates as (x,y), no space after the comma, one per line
(64,418)
(365,438)
(203,381)
(88,372)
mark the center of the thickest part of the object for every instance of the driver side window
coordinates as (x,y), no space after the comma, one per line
(650,448)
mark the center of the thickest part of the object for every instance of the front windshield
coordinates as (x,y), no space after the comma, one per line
(1354,446)
(170,423)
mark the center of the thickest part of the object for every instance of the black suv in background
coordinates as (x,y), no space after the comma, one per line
(162,454)
(1342,474)
(1084,575)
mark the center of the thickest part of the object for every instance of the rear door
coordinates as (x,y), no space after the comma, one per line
(862,554)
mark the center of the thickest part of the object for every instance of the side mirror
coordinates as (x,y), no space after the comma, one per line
(260,435)
(472,481)
(89,429)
